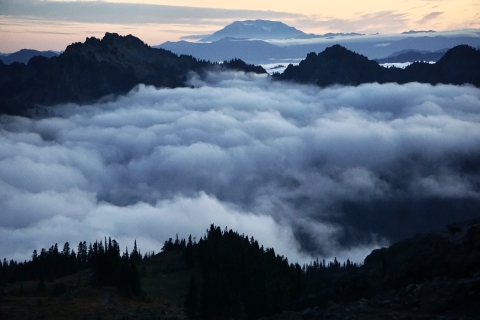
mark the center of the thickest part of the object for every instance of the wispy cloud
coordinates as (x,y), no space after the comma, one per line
(128,13)
(384,22)
(429,17)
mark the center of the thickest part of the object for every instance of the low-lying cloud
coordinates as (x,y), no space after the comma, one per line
(309,171)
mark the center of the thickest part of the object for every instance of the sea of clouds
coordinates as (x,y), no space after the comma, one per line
(311,172)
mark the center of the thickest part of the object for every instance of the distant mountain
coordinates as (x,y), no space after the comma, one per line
(415,32)
(260,51)
(255,51)
(337,65)
(88,71)
(25,55)
(263,30)
(395,54)
(413,55)
(341,34)
(256,29)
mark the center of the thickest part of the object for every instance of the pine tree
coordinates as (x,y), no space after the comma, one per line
(188,254)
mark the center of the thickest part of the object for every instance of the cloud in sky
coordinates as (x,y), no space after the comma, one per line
(129,13)
(429,17)
(35,23)
(309,171)
(52,25)
(384,22)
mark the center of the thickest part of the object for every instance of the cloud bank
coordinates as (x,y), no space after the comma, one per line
(309,171)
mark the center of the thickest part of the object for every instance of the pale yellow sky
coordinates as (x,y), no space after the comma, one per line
(454,11)
(45,24)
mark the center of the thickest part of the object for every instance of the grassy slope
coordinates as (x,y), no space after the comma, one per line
(165,281)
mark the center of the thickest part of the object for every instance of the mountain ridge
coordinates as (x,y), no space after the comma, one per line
(253,51)
(413,55)
(88,71)
(24,55)
(338,65)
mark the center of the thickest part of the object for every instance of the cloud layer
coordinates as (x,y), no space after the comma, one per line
(128,13)
(309,171)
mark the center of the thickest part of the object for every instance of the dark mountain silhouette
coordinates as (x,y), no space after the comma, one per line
(430,276)
(25,55)
(337,65)
(413,55)
(88,71)
(429,43)
(434,273)
(334,65)
(459,65)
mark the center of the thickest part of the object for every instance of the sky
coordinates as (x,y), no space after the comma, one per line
(52,25)
(311,172)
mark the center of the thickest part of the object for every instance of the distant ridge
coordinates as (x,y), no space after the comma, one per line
(414,32)
(337,65)
(413,55)
(24,55)
(267,52)
(227,48)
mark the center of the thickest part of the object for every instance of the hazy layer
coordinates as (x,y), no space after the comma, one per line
(302,169)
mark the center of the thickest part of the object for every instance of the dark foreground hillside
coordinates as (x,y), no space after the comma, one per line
(96,68)
(226,275)
(430,276)
(337,65)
